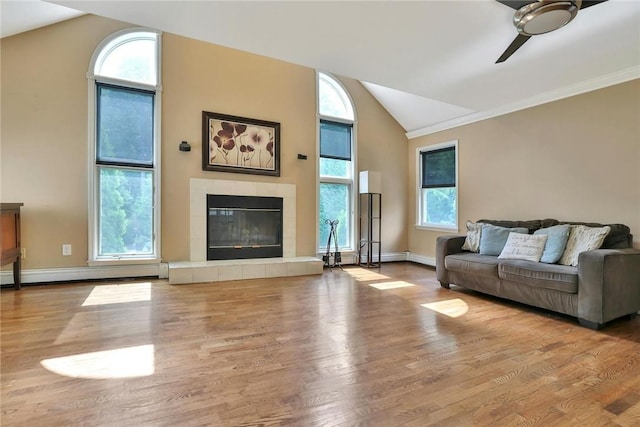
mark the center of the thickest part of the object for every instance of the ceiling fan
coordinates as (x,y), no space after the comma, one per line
(539,17)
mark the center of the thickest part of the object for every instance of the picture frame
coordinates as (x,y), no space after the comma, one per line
(240,144)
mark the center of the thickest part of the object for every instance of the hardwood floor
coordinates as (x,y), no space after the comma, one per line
(381,347)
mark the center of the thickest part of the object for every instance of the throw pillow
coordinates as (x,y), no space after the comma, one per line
(582,239)
(493,238)
(472,242)
(524,246)
(556,242)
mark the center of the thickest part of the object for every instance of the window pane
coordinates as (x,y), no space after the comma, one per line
(125,126)
(332,99)
(130,58)
(335,168)
(439,206)
(126,212)
(439,168)
(334,204)
(335,140)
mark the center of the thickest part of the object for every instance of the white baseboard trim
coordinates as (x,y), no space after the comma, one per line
(351,258)
(46,275)
(421,259)
(386,257)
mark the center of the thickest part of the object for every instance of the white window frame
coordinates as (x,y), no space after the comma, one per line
(94,258)
(352,182)
(420,221)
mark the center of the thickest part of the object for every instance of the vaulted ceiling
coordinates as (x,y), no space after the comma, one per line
(431,64)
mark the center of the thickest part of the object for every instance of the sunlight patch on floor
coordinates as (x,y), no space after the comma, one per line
(391,285)
(450,307)
(116,294)
(128,362)
(135,320)
(364,275)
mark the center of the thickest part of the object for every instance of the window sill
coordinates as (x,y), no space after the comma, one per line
(122,261)
(437,228)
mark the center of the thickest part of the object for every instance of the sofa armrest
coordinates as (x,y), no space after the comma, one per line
(608,284)
(446,245)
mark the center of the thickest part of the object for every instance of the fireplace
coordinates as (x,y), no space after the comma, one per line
(241,227)
(200,270)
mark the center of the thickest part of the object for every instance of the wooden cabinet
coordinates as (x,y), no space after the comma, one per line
(11,250)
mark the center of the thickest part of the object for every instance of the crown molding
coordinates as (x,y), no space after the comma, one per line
(625,75)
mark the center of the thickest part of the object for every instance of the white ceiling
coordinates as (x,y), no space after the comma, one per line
(18,16)
(431,64)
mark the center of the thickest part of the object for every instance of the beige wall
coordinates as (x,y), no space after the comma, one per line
(44,135)
(199,76)
(573,159)
(380,149)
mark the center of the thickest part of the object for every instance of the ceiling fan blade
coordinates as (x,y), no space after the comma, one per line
(515,45)
(515,4)
(589,3)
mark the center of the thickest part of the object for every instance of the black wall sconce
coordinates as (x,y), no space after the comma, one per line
(184,146)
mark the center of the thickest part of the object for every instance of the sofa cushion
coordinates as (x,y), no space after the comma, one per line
(547,276)
(524,246)
(531,225)
(472,242)
(472,263)
(493,238)
(582,239)
(556,242)
(618,238)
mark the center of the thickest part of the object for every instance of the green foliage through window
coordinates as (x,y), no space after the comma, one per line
(440,206)
(126,211)
(334,204)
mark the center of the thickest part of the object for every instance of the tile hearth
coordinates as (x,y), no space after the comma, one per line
(260,268)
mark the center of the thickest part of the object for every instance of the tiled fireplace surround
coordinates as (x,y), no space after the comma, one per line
(198,269)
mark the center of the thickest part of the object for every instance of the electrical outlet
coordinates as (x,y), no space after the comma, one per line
(66,249)
(23,253)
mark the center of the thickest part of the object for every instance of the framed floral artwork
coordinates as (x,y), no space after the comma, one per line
(241,145)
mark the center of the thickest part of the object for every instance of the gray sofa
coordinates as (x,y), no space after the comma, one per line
(604,286)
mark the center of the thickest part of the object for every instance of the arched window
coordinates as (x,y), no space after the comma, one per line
(336,123)
(333,100)
(124,123)
(129,57)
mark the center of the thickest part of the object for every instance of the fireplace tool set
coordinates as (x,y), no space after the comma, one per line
(332,259)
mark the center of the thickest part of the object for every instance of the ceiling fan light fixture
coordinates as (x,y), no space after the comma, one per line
(545,16)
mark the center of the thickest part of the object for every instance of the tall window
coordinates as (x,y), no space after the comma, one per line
(124,122)
(336,163)
(438,188)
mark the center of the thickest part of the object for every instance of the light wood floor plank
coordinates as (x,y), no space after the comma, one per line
(328,350)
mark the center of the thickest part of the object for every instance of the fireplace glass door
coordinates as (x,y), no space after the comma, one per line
(240,227)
